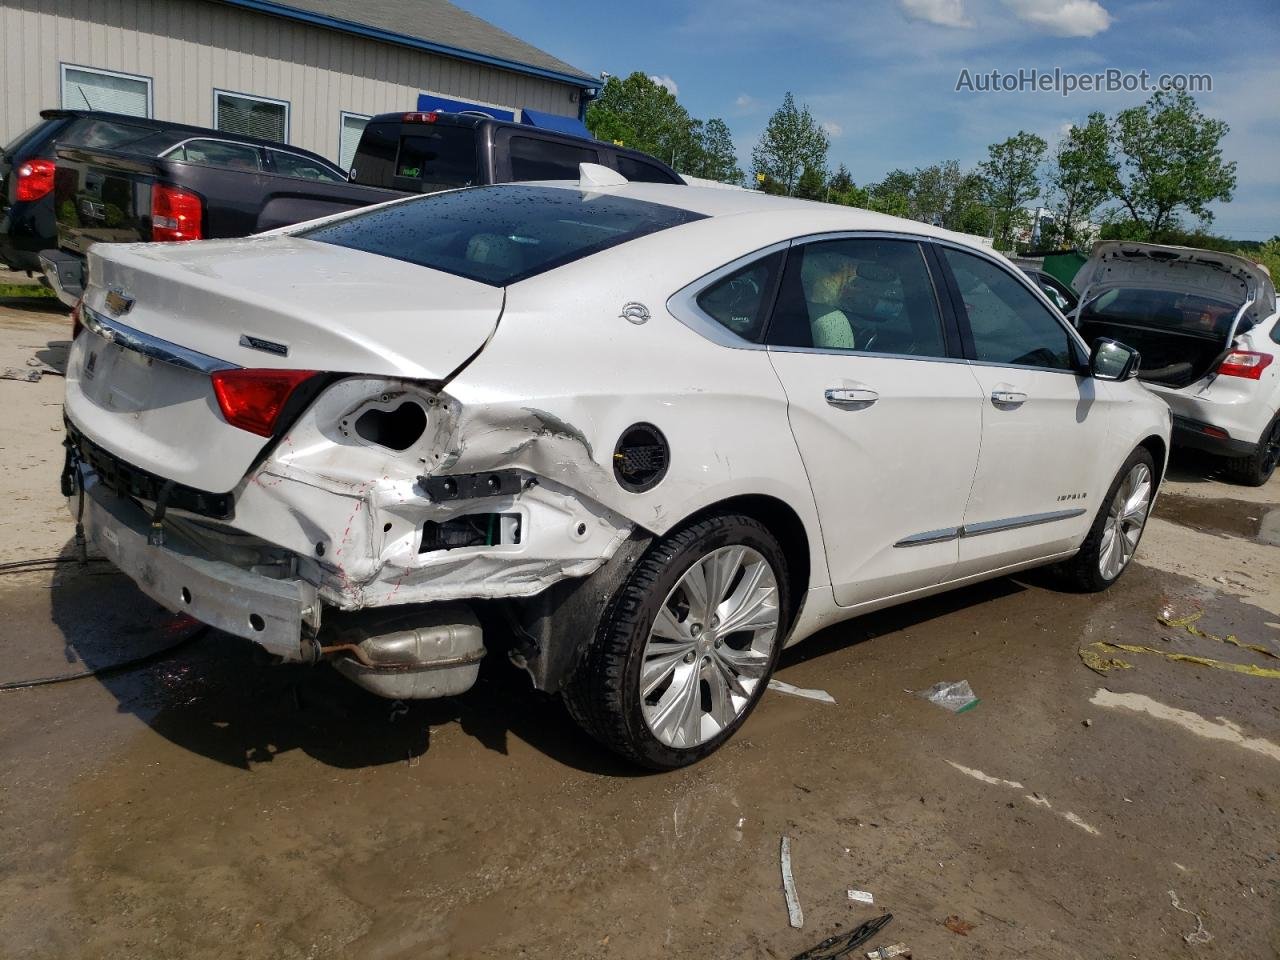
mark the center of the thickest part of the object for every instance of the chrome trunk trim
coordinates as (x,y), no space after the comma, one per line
(123,335)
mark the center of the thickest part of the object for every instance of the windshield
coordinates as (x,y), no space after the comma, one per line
(28,134)
(500,234)
(1163,310)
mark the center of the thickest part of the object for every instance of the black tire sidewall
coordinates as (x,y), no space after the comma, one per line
(682,551)
(1091,550)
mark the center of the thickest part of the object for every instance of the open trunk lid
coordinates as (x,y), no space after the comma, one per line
(1182,308)
(276,302)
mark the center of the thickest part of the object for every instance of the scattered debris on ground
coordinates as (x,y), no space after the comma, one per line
(891,951)
(1199,934)
(781,686)
(954,695)
(842,945)
(1100,664)
(861,896)
(795,916)
(957,925)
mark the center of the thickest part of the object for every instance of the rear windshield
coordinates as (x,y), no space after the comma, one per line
(111,134)
(1162,310)
(28,134)
(500,234)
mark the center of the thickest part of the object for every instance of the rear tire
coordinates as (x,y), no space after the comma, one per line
(664,682)
(1117,527)
(1257,468)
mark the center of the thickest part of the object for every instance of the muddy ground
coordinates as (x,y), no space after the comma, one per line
(208,804)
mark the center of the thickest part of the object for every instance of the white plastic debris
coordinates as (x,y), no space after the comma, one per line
(889,952)
(781,686)
(794,914)
(953,695)
(861,896)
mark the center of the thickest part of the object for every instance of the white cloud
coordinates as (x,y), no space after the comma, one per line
(832,129)
(1072,18)
(945,13)
(745,104)
(666,81)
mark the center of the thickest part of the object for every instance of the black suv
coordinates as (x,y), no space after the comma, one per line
(27,166)
(424,152)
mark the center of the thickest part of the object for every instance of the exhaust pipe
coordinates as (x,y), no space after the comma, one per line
(408,653)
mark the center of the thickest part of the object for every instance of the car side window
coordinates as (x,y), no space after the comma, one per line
(219,153)
(533,158)
(639,171)
(867,295)
(740,302)
(296,165)
(1009,324)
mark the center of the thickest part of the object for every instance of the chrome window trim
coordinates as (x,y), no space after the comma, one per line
(1072,333)
(987,526)
(683,304)
(235,143)
(129,338)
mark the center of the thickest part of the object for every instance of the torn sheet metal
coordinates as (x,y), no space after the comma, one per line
(781,686)
(795,916)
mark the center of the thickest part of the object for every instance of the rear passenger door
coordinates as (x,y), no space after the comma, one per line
(886,414)
(1043,419)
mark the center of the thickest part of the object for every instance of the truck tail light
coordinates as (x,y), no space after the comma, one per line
(1243,363)
(35,179)
(420,117)
(175,214)
(253,399)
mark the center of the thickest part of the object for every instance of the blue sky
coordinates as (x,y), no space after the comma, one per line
(881,74)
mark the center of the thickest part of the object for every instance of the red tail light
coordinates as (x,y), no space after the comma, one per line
(76,323)
(419,118)
(175,214)
(253,399)
(35,179)
(1242,363)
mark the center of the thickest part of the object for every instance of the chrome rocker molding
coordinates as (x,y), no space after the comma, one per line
(113,331)
(987,526)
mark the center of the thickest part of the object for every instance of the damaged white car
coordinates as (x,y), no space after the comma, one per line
(651,433)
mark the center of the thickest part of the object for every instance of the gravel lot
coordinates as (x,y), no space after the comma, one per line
(212,805)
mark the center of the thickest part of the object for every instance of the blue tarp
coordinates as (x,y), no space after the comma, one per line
(429,101)
(552,121)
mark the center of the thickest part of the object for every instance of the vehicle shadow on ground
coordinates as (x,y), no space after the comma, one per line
(1189,466)
(226,699)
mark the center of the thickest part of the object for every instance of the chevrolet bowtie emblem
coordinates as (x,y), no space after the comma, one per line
(118,303)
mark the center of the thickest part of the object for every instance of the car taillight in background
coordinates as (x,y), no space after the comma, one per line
(35,179)
(76,323)
(1243,363)
(175,214)
(253,399)
(419,118)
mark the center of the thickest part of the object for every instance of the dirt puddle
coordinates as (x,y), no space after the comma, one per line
(1230,518)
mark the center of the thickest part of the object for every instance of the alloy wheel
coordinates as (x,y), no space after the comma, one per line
(710,647)
(1126,516)
(1271,449)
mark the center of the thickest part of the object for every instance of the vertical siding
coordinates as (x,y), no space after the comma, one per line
(189,48)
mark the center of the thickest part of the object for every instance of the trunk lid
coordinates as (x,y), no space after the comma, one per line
(277,302)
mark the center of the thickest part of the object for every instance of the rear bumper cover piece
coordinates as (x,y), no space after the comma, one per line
(271,612)
(1191,434)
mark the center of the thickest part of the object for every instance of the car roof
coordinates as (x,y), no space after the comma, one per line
(808,215)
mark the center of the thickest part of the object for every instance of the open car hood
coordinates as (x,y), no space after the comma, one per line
(1225,276)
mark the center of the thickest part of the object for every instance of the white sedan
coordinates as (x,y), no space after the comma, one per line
(650,433)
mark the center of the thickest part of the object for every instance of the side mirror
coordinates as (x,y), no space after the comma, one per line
(1112,360)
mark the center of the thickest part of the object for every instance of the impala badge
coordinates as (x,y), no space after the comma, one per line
(266,346)
(118,303)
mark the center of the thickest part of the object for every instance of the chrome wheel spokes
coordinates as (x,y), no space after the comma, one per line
(1126,516)
(710,646)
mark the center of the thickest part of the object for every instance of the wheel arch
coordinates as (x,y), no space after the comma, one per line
(1159,450)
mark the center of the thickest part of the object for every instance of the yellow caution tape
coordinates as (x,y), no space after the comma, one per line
(1091,658)
(1188,623)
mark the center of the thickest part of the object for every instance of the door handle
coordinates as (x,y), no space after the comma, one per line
(851,396)
(1007,395)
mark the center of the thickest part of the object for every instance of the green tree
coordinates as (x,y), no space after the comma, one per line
(719,159)
(792,141)
(1168,158)
(892,195)
(1267,254)
(812,184)
(947,196)
(1011,183)
(1078,179)
(642,115)
(842,190)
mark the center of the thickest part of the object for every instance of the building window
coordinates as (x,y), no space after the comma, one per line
(351,128)
(84,88)
(251,116)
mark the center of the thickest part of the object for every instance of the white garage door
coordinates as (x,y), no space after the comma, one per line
(86,89)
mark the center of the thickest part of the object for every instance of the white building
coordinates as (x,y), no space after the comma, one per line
(309,72)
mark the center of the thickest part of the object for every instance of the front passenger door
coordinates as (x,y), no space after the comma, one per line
(886,415)
(1043,420)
